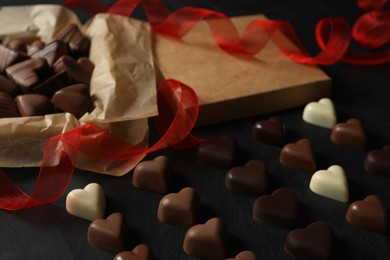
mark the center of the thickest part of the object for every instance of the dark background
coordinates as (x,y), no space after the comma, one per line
(49,232)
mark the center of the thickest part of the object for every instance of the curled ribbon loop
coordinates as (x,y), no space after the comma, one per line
(175,122)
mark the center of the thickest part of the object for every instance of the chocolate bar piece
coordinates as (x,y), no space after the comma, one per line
(34,105)
(52,51)
(9,57)
(78,44)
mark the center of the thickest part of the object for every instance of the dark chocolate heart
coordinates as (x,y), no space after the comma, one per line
(220,152)
(280,208)
(79,72)
(248,180)
(153,175)
(8,107)
(52,51)
(206,241)
(73,99)
(140,252)
(34,105)
(179,208)
(369,214)
(245,255)
(9,57)
(109,234)
(378,161)
(350,134)
(313,242)
(8,86)
(269,131)
(299,156)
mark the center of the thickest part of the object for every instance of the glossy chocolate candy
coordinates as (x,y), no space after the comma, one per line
(140,252)
(17,45)
(220,152)
(299,156)
(29,73)
(78,44)
(34,105)
(378,161)
(9,57)
(73,99)
(350,134)
(52,51)
(78,72)
(8,107)
(244,255)
(8,86)
(269,131)
(52,84)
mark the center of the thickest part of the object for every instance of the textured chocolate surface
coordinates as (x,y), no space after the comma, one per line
(220,152)
(9,57)
(36,46)
(313,242)
(153,175)
(378,161)
(280,208)
(299,156)
(34,105)
(350,134)
(78,44)
(180,208)
(369,214)
(29,73)
(52,51)
(206,241)
(269,131)
(8,107)
(248,180)
(140,252)
(109,234)
(8,86)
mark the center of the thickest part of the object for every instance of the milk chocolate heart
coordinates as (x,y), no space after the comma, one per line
(109,234)
(369,214)
(245,255)
(331,183)
(153,175)
(350,134)
(378,161)
(8,107)
(140,252)
(34,105)
(280,208)
(248,180)
(220,152)
(299,156)
(73,99)
(88,203)
(79,72)
(206,241)
(269,131)
(179,208)
(313,242)
(321,113)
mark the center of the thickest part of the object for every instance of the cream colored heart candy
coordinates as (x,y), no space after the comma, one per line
(88,203)
(321,113)
(331,183)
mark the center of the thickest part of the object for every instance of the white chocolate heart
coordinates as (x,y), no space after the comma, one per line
(88,203)
(321,113)
(331,183)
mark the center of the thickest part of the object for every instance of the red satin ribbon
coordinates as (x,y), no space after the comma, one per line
(61,151)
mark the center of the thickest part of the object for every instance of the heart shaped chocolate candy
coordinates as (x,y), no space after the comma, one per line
(153,175)
(299,156)
(369,214)
(52,51)
(331,183)
(220,152)
(206,241)
(109,234)
(244,255)
(140,252)
(9,57)
(321,113)
(78,44)
(350,134)
(73,99)
(29,73)
(280,208)
(179,208)
(34,105)
(88,203)
(248,180)
(52,84)
(8,107)
(79,72)
(378,161)
(313,242)
(8,86)
(269,131)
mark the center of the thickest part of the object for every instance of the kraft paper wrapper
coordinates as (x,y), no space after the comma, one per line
(231,86)
(123,86)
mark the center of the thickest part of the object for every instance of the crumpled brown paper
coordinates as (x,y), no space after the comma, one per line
(123,87)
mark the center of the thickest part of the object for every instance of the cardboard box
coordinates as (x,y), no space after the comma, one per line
(231,86)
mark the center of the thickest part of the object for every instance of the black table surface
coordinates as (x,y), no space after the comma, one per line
(49,232)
